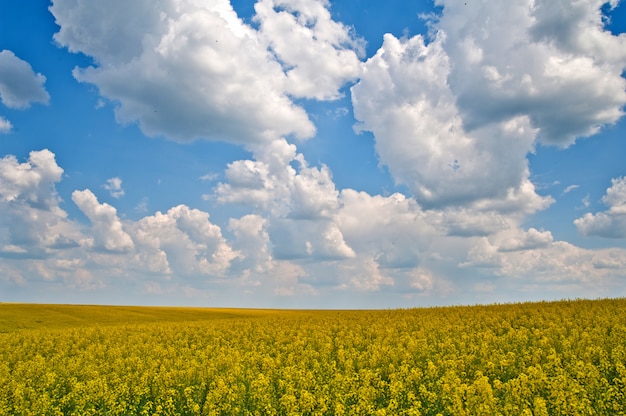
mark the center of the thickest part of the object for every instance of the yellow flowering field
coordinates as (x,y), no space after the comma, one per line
(551,358)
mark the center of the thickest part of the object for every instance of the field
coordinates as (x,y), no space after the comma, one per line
(557,358)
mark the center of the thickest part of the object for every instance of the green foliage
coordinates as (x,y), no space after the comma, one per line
(561,358)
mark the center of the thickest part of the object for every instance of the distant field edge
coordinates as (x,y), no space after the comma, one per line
(29,316)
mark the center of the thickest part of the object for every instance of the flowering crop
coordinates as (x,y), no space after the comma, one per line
(559,358)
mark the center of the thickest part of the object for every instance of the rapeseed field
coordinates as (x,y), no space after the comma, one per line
(556,358)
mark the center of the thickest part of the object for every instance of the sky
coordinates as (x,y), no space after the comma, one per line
(312,153)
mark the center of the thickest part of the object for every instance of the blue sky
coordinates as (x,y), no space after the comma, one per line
(312,154)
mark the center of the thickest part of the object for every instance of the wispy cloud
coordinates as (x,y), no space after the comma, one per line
(569,189)
(5,125)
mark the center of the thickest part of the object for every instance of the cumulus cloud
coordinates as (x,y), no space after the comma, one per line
(544,260)
(552,61)
(253,242)
(318,54)
(108,230)
(258,268)
(612,222)
(30,181)
(186,70)
(392,230)
(182,242)
(114,186)
(301,201)
(404,99)
(19,84)
(455,115)
(365,275)
(531,239)
(31,221)
(299,239)
(364,243)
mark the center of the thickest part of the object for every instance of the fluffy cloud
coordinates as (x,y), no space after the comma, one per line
(301,202)
(531,239)
(610,223)
(392,230)
(31,222)
(319,54)
(403,97)
(19,84)
(551,61)
(108,231)
(386,245)
(562,261)
(182,242)
(189,70)
(454,117)
(257,268)
(535,261)
(253,242)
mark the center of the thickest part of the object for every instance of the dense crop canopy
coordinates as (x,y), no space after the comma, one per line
(562,358)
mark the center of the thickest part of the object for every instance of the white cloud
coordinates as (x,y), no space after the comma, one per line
(534,257)
(312,239)
(531,239)
(404,98)
(142,206)
(421,279)
(187,71)
(253,242)
(5,126)
(610,223)
(182,242)
(31,222)
(108,230)
(551,61)
(455,116)
(365,275)
(615,197)
(258,268)
(585,201)
(319,54)
(114,186)
(391,230)
(569,189)
(30,181)
(467,222)
(191,70)
(301,203)
(271,183)
(209,177)
(363,243)
(19,85)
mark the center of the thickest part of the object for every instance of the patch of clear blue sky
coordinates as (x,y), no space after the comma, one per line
(589,164)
